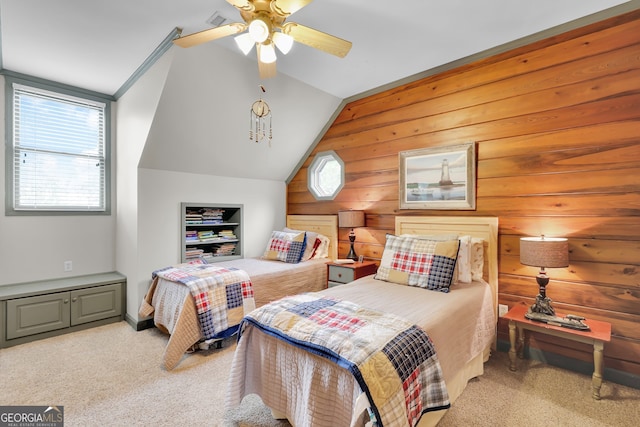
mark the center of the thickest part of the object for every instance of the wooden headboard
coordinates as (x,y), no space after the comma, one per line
(323,224)
(485,228)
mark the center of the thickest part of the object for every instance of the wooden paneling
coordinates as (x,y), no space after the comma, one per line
(557,132)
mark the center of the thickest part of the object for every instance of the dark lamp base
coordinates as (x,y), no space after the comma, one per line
(543,306)
(352,253)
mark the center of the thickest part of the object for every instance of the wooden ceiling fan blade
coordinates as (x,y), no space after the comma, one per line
(287,7)
(317,39)
(267,70)
(211,34)
(242,4)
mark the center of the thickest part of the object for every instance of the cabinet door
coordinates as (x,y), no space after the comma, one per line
(91,304)
(34,315)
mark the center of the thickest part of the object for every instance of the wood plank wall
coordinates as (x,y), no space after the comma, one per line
(557,128)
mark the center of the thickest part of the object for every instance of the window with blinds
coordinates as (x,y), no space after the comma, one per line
(59,160)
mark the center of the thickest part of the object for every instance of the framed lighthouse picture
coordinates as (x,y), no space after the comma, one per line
(438,178)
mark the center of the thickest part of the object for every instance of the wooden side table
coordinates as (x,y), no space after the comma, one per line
(339,274)
(599,333)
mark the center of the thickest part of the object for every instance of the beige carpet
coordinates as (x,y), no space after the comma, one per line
(111,376)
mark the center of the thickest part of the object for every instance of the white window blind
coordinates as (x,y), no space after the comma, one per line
(58,152)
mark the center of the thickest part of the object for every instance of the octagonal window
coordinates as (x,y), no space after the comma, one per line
(326,175)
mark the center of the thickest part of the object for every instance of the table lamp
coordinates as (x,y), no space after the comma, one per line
(351,219)
(547,252)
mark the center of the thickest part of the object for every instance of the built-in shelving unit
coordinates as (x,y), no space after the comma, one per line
(212,232)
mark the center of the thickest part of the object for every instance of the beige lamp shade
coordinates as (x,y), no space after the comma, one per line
(545,252)
(350,219)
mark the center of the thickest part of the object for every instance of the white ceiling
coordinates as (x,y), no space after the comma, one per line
(98,45)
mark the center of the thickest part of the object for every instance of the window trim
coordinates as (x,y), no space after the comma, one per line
(63,90)
(311,174)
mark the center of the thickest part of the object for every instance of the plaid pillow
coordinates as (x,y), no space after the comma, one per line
(425,263)
(287,247)
(311,245)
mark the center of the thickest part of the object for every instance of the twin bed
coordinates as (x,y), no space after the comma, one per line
(309,388)
(174,310)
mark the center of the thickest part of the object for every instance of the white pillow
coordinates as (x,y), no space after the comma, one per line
(463,265)
(323,249)
(477,258)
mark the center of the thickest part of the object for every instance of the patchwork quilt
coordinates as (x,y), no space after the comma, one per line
(221,295)
(394,362)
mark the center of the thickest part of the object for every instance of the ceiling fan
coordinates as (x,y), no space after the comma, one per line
(265,27)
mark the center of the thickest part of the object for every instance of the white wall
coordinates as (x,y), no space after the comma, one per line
(136,111)
(195,148)
(161,193)
(181,136)
(202,122)
(36,247)
(152,130)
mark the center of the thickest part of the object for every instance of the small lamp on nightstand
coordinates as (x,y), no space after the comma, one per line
(547,252)
(351,219)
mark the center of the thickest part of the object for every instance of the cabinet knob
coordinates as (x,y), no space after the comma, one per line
(339,274)
(66,301)
(74,299)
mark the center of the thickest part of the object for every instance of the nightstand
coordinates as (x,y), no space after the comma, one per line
(339,274)
(598,333)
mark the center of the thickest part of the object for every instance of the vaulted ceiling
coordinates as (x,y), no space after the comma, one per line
(200,124)
(98,45)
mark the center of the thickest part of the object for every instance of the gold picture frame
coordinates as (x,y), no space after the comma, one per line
(438,177)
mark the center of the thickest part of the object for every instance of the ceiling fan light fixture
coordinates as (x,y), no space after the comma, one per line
(267,53)
(284,42)
(259,29)
(245,42)
(263,21)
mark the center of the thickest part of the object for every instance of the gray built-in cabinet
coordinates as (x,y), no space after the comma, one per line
(212,232)
(36,310)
